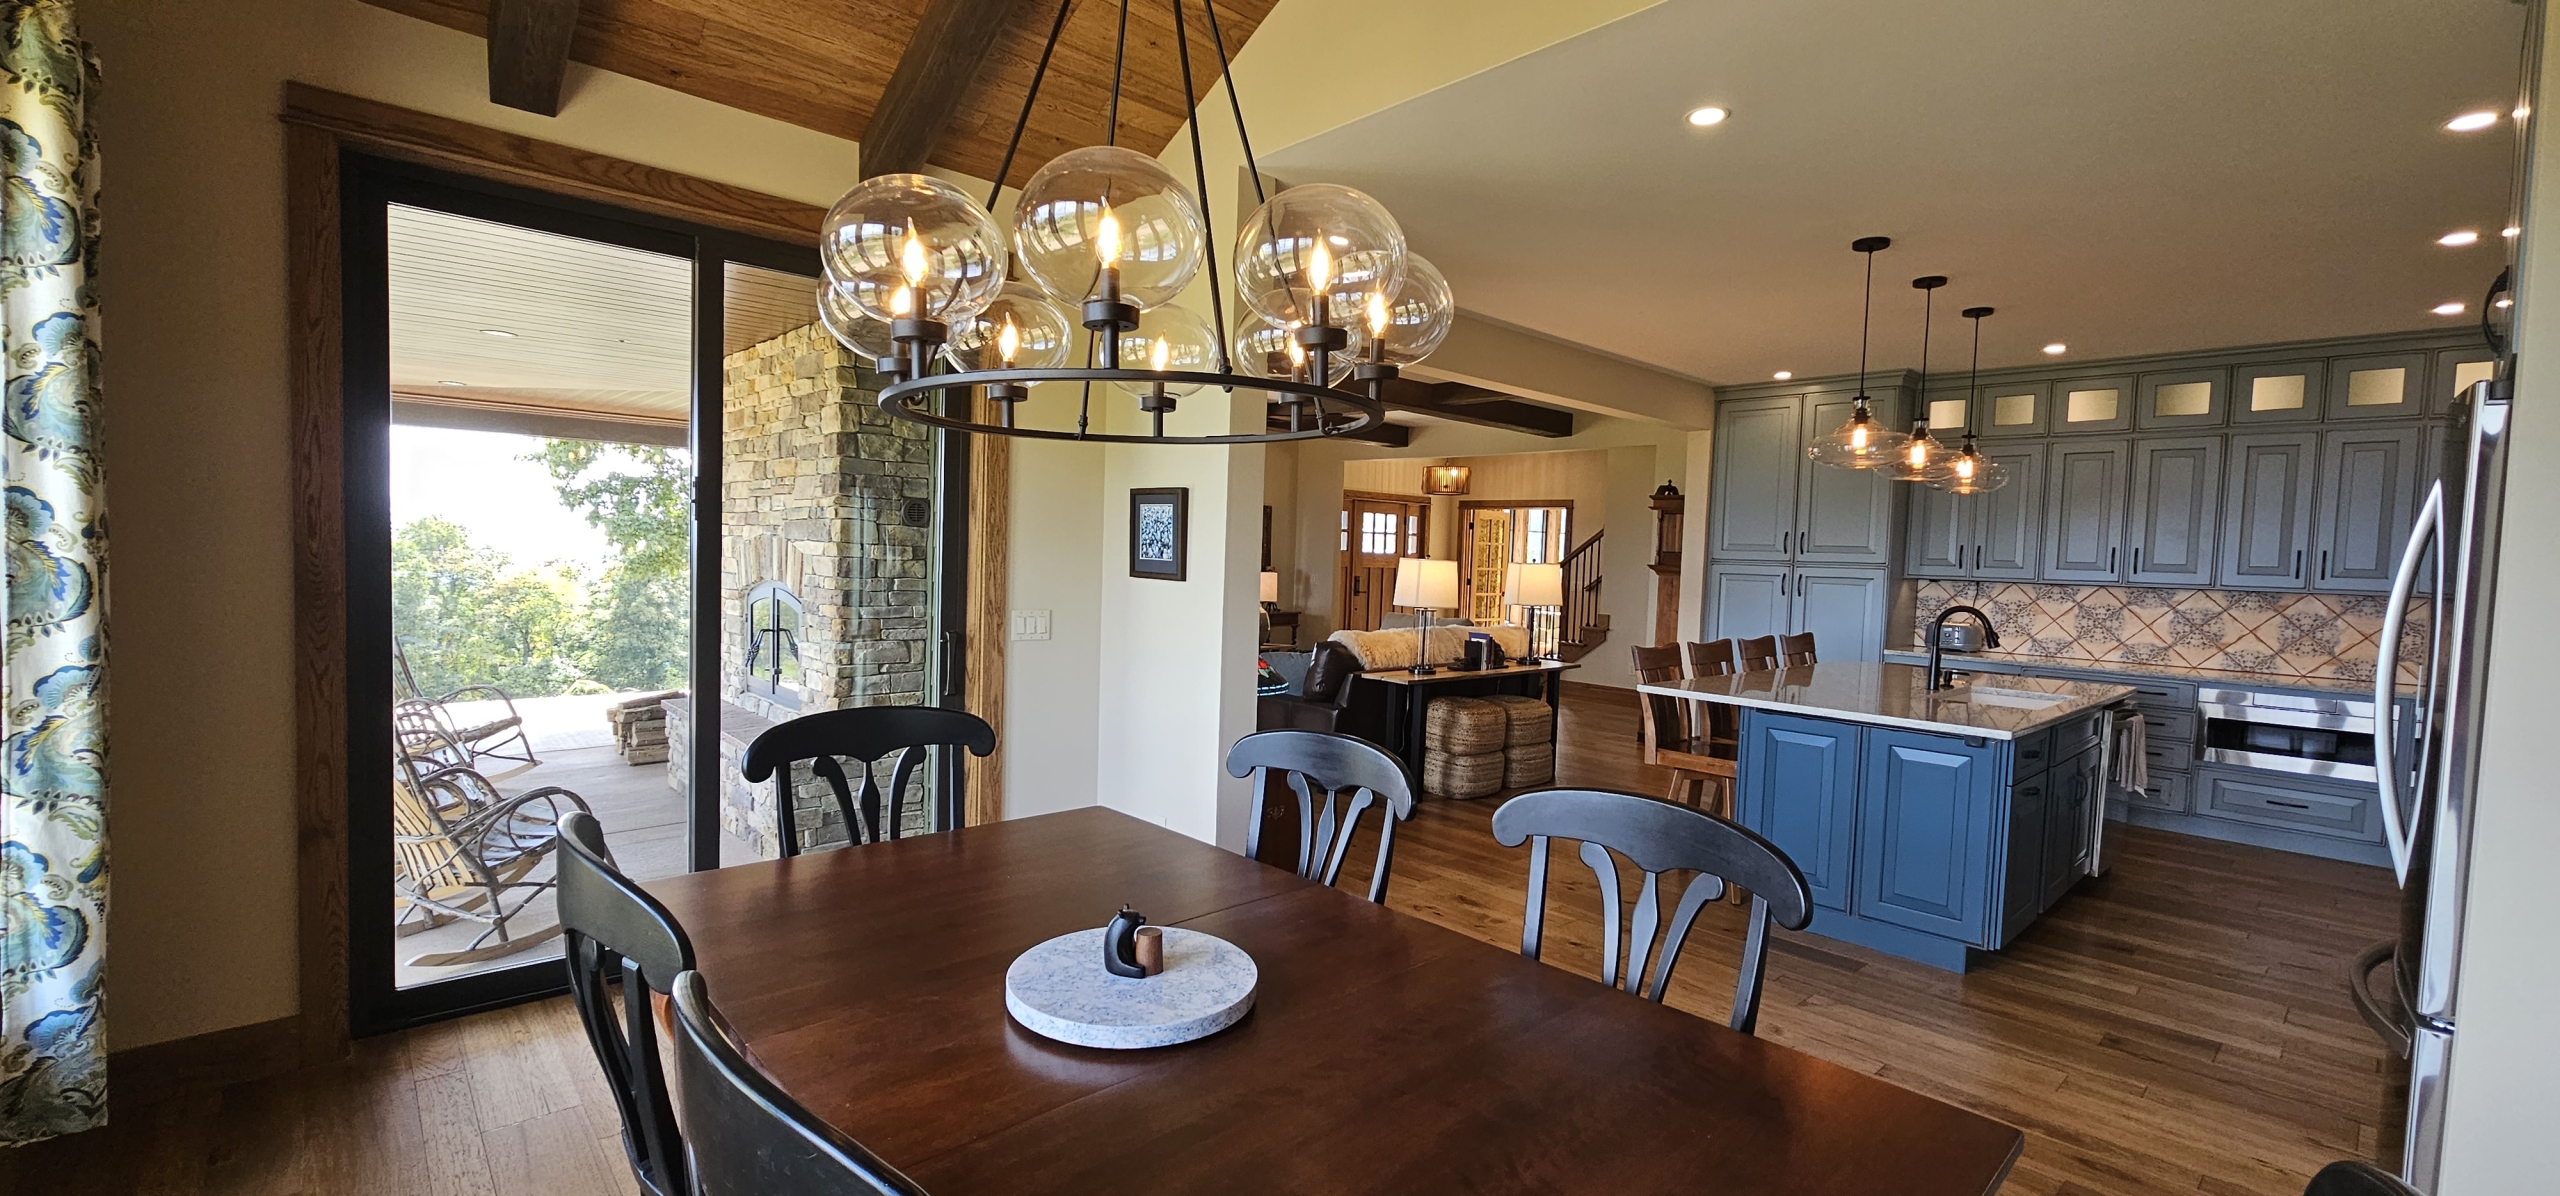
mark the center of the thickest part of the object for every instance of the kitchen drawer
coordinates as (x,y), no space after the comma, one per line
(2174,726)
(2270,800)
(2074,737)
(2031,754)
(2149,692)
(2168,756)
(2167,792)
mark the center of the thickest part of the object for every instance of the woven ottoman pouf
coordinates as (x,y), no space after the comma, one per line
(1526,764)
(1465,726)
(1446,774)
(1532,720)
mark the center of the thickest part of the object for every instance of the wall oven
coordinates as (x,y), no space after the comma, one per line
(2321,737)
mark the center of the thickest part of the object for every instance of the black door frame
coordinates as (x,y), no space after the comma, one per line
(367,185)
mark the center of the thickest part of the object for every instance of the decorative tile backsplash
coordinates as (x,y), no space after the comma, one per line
(2329,636)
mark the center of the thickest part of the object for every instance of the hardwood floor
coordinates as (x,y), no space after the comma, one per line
(2180,1025)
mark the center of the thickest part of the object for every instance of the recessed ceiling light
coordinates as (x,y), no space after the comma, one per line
(1703,117)
(2509,231)
(499,332)
(2458,238)
(1783,375)
(2056,349)
(451,382)
(2504,303)
(2472,122)
(2447,309)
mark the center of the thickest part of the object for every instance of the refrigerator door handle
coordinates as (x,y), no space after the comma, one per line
(2400,833)
(2393,1028)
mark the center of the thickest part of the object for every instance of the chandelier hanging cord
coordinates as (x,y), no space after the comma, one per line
(1119,56)
(1029,99)
(1200,181)
(1227,71)
(1928,308)
(1866,317)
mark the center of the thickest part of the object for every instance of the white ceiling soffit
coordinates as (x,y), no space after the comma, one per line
(2124,178)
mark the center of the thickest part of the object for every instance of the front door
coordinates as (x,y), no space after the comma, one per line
(1376,538)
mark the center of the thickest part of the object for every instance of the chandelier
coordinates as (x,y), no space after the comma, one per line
(923,279)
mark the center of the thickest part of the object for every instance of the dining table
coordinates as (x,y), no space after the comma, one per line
(1383,1052)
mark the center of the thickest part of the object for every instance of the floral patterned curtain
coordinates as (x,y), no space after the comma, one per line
(53,776)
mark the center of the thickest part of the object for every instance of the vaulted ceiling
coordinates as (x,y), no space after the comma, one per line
(828,64)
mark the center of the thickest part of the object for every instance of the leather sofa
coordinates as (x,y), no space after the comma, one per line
(1331,700)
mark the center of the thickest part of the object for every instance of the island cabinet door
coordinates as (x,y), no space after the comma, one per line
(2023,857)
(1925,819)
(2073,786)
(1800,791)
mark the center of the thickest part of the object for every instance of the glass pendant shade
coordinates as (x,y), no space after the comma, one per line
(1922,457)
(1417,319)
(1968,472)
(1264,349)
(1021,330)
(851,326)
(1318,238)
(911,245)
(1106,200)
(1859,442)
(1168,338)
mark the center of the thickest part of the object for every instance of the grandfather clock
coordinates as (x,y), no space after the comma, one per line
(1667,505)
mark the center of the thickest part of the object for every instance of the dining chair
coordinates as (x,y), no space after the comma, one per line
(1795,651)
(748,1136)
(1759,654)
(1657,837)
(866,734)
(1663,725)
(612,928)
(1357,772)
(2350,1178)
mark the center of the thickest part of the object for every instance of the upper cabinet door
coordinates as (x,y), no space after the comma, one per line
(1843,608)
(2378,386)
(1950,414)
(2013,409)
(2010,520)
(2266,530)
(1844,516)
(2368,499)
(1943,533)
(2183,399)
(2084,510)
(1759,450)
(1747,601)
(2453,373)
(2176,510)
(2093,405)
(2284,392)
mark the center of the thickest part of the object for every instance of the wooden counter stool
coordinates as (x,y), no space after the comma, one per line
(1668,742)
(1795,651)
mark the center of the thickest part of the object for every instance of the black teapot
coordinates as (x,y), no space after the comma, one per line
(1120,944)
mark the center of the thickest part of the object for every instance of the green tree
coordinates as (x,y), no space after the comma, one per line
(466,617)
(637,495)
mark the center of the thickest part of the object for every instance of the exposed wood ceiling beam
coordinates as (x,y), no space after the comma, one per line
(529,52)
(952,44)
(1391,435)
(1476,405)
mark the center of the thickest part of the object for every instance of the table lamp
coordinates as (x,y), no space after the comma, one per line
(1270,588)
(1538,587)
(1426,585)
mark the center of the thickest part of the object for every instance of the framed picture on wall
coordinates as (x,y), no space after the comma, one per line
(1159,532)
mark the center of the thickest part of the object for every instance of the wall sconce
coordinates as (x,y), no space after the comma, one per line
(1444,479)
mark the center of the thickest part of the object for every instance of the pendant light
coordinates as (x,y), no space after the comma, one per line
(1967,471)
(1924,458)
(1860,442)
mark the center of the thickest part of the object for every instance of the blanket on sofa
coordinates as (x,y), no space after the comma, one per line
(1394,649)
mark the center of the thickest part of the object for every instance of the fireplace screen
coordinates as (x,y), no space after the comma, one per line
(773,644)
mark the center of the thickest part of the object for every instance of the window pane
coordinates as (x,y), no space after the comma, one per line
(1946,413)
(2376,388)
(2276,392)
(2183,398)
(2010,411)
(2090,406)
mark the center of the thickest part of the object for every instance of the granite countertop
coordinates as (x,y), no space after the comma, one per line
(2278,682)
(1891,695)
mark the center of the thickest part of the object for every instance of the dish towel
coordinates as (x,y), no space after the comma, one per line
(2133,753)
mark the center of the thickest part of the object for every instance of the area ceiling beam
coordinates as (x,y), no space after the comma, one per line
(1390,435)
(529,52)
(1476,405)
(953,40)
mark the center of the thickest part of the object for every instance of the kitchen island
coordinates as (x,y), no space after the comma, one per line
(1928,825)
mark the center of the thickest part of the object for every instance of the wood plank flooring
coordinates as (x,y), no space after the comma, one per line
(2180,1025)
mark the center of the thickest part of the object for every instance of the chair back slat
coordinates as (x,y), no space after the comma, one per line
(865,734)
(613,929)
(1347,770)
(1657,837)
(1796,651)
(1758,654)
(746,1135)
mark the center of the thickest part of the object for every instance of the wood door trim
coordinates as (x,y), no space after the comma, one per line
(1512,504)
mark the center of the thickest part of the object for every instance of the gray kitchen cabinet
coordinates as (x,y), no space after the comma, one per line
(2176,511)
(2070,787)
(1758,453)
(2290,803)
(1843,608)
(2368,500)
(2014,409)
(2267,515)
(1844,516)
(1809,817)
(2009,527)
(2084,510)
(1940,539)
(2281,392)
(2182,399)
(2378,386)
(1949,412)
(2452,373)
(2093,405)
(1747,600)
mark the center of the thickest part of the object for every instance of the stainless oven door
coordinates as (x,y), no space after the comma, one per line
(2318,737)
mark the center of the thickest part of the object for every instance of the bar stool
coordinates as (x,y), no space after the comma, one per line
(1795,651)
(1668,742)
(1758,654)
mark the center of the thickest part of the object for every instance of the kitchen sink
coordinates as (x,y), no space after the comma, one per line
(2023,699)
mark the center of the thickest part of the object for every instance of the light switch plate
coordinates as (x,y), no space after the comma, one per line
(1031,624)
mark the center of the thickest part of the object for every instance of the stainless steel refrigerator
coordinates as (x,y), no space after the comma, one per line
(2429,768)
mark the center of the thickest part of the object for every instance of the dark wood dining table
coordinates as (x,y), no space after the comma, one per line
(1384,1054)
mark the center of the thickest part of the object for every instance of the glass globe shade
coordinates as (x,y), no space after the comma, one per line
(1968,472)
(1922,457)
(1039,338)
(1858,443)
(1168,338)
(1264,349)
(1417,318)
(1154,234)
(911,245)
(1318,238)
(851,326)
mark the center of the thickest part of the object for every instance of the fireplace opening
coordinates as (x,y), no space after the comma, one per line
(773,644)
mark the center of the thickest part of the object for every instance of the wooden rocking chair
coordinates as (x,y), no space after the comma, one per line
(464,852)
(500,738)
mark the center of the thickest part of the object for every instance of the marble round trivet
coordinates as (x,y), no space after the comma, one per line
(1059,990)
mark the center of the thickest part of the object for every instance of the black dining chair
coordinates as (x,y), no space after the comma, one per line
(1658,837)
(2357,1179)
(610,928)
(748,1136)
(866,734)
(1357,771)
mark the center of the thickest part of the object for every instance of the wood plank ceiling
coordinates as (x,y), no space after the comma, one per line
(824,66)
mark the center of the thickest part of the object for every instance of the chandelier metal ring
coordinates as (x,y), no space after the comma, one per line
(906,400)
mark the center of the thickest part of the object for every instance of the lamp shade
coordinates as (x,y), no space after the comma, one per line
(1426,584)
(1270,586)
(1534,585)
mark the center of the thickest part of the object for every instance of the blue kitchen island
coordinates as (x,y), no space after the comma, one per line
(1929,825)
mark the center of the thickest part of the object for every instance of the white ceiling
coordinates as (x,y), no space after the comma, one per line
(2124,177)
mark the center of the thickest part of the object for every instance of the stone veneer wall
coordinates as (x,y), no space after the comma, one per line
(2319,636)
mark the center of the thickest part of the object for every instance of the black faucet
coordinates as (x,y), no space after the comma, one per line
(1990,639)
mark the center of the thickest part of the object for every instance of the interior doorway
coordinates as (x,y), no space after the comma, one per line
(1497,534)
(1377,530)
